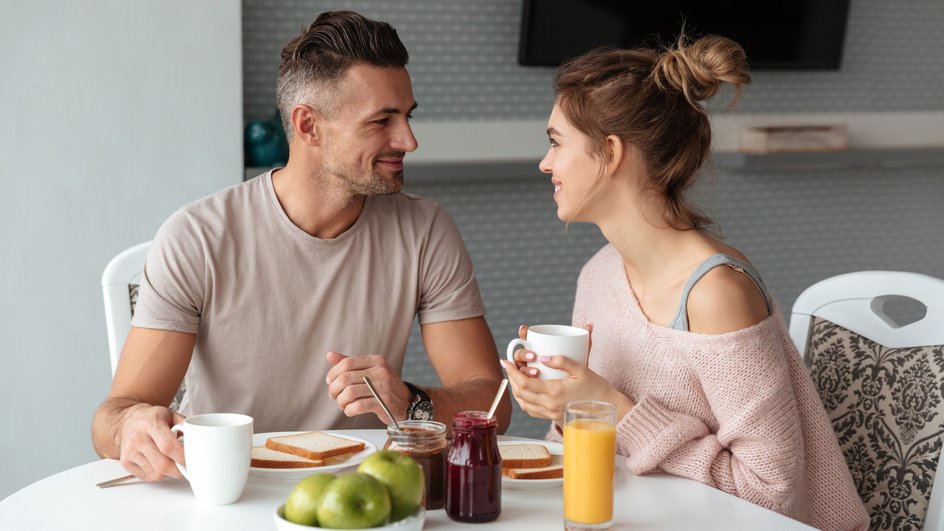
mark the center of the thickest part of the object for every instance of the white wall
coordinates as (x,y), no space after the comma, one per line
(112,115)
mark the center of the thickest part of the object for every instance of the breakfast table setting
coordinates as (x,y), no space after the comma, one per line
(71,500)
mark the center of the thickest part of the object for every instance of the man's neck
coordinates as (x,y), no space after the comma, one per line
(313,205)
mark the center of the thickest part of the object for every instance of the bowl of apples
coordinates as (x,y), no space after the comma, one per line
(385,493)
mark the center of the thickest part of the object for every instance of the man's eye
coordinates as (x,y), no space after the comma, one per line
(382,121)
(409,116)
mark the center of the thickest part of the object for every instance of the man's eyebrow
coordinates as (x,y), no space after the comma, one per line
(394,110)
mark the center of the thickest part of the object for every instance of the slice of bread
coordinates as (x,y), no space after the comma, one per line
(524,455)
(314,445)
(263,457)
(545,472)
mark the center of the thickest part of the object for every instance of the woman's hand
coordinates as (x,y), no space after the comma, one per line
(546,398)
(523,356)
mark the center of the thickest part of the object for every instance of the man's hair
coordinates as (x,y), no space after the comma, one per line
(314,62)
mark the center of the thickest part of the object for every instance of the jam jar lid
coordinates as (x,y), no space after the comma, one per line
(471,420)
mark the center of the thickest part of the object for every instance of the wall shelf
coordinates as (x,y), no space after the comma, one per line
(428,171)
(830,160)
(889,158)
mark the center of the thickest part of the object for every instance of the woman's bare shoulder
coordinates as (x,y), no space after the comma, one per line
(725,300)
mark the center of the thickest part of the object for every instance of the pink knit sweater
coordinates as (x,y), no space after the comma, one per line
(736,411)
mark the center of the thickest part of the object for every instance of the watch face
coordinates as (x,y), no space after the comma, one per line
(423,411)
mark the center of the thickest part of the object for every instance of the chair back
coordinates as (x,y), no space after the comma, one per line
(120,289)
(881,381)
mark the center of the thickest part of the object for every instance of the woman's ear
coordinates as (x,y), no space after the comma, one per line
(616,152)
(304,121)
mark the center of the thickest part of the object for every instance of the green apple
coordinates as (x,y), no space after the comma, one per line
(302,504)
(403,478)
(354,501)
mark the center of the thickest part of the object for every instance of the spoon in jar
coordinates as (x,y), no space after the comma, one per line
(501,391)
(381,402)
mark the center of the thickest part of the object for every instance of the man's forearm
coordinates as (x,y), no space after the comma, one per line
(474,394)
(106,426)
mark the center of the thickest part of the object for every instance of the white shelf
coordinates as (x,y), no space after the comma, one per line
(831,160)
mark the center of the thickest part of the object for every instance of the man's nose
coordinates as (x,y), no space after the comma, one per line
(405,140)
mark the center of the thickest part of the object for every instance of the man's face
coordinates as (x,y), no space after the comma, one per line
(365,141)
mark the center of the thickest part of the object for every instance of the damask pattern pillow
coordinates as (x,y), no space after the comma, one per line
(175,403)
(886,407)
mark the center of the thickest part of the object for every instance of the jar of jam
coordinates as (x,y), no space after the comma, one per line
(425,442)
(473,469)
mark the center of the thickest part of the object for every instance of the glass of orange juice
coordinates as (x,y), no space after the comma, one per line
(589,456)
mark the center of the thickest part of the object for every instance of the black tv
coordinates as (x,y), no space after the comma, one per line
(776,35)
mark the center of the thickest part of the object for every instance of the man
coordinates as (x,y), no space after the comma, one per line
(277,296)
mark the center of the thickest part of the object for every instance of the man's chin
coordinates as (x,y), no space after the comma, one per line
(391,183)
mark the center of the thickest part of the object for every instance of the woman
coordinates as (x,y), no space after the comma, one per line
(687,342)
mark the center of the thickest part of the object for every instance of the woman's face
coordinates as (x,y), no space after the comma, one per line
(573,170)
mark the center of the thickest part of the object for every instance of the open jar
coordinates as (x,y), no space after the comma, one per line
(473,469)
(425,442)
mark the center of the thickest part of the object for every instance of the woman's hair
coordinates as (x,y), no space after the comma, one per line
(651,99)
(315,61)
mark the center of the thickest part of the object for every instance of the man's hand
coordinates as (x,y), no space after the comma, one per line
(347,388)
(149,449)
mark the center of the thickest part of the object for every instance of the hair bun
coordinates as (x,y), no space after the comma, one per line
(698,68)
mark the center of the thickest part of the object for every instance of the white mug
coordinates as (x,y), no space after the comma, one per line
(553,340)
(218,448)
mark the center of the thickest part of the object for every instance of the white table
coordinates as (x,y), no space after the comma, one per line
(70,501)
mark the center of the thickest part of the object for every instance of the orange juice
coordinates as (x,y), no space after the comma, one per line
(589,454)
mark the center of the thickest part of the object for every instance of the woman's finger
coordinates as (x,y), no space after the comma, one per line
(523,331)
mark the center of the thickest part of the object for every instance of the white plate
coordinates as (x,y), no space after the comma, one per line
(259,439)
(557,457)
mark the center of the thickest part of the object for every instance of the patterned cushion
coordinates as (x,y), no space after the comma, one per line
(175,403)
(886,407)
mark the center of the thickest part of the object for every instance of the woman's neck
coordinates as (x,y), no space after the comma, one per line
(658,258)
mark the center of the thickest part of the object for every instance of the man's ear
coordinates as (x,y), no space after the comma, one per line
(304,124)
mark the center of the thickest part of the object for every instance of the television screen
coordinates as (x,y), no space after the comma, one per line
(788,34)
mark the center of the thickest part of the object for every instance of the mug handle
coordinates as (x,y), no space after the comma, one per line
(513,346)
(178,429)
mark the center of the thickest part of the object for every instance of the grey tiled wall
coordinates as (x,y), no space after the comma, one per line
(463,59)
(798,227)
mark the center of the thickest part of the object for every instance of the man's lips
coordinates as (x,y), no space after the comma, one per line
(393,164)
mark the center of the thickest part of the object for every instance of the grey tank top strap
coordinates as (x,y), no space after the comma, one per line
(681,318)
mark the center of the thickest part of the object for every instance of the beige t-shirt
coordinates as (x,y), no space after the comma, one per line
(268,301)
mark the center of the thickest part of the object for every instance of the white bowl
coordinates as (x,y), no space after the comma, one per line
(414,522)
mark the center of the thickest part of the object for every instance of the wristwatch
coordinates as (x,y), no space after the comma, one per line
(421,405)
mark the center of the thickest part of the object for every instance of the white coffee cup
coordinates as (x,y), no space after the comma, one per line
(553,340)
(217,448)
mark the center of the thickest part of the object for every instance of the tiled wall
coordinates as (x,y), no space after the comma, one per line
(463,59)
(797,226)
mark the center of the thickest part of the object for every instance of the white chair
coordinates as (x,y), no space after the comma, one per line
(120,289)
(882,384)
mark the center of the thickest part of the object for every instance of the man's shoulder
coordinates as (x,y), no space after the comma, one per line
(215,211)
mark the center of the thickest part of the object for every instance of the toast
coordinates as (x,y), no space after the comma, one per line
(263,457)
(546,472)
(314,445)
(524,456)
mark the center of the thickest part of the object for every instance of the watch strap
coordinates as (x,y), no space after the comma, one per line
(418,396)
